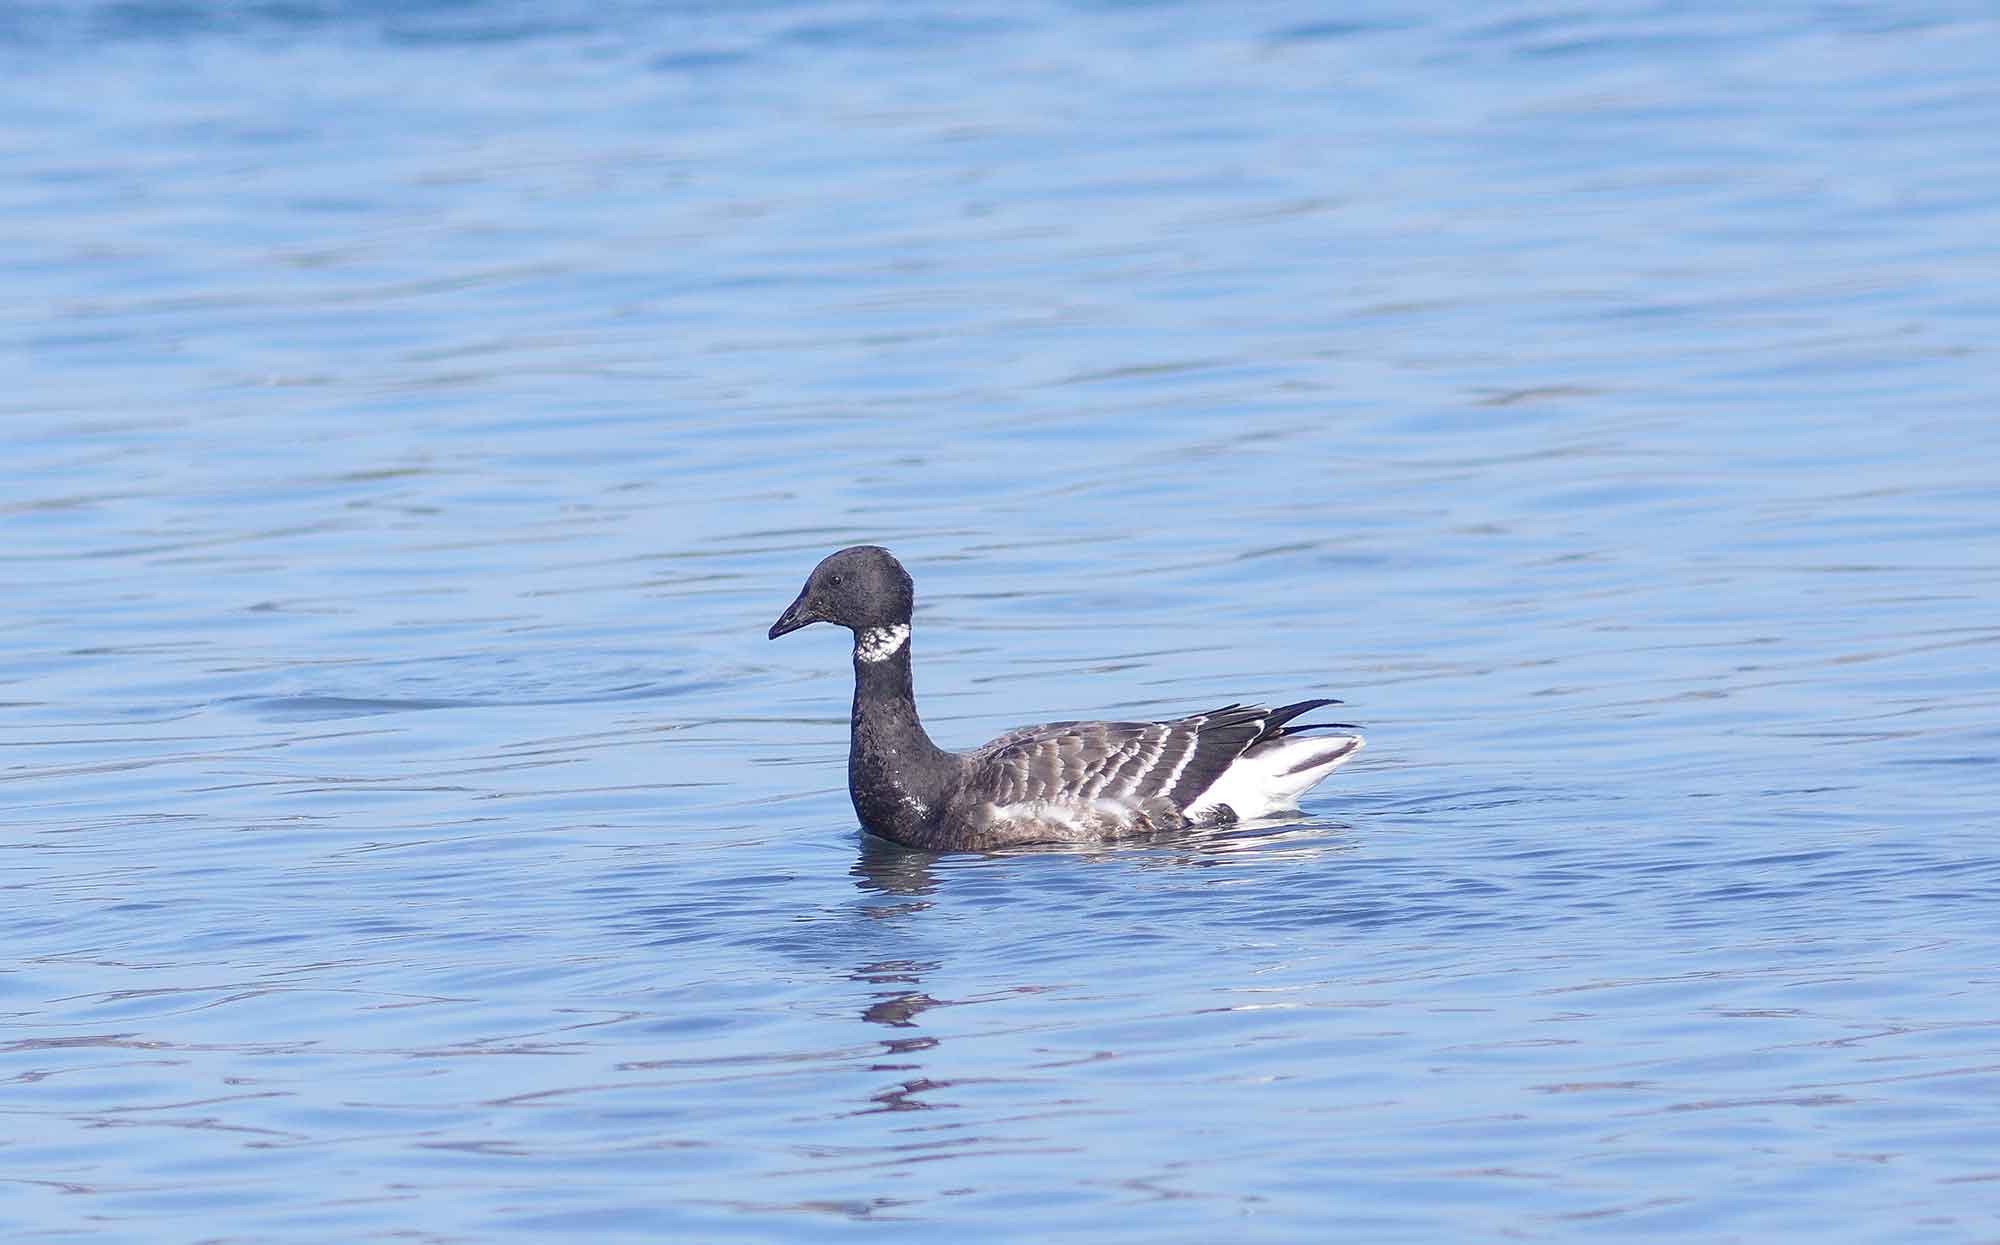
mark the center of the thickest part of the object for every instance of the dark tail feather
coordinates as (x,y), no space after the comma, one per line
(1274,723)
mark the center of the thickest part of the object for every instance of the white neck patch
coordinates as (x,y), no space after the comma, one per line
(881,643)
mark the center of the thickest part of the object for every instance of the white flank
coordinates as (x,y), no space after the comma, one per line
(1258,783)
(1078,820)
(881,643)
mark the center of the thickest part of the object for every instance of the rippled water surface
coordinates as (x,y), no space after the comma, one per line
(416,414)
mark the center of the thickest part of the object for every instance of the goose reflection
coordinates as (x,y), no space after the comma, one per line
(898,884)
(903,877)
(898,1008)
(884,868)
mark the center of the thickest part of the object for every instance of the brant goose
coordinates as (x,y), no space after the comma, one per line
(1063,782)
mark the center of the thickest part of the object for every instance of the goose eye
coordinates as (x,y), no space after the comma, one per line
(834,580)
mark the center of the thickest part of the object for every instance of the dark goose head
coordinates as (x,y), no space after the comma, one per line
(859,588)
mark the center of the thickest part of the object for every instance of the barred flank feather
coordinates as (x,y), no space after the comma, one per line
(1162,772)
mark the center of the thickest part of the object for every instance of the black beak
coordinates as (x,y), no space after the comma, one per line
(797,614)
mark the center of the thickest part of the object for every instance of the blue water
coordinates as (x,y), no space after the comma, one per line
(416,413)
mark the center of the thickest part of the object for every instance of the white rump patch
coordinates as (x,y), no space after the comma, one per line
(881,643)
(1270,779)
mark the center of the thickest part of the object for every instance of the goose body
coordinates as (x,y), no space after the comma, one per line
(1057,782)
